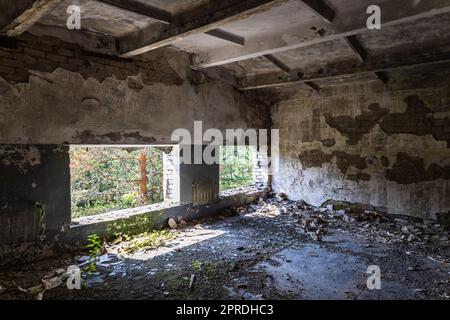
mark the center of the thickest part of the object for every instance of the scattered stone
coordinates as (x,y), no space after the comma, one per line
(183,223)
(51,283)
(95,280)
(172,223)
(281,196)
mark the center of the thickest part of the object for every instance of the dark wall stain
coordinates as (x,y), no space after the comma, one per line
(344,161)
(408,169)
(87,136)
(355,128)
(33,192)
(417,120)
(316,158)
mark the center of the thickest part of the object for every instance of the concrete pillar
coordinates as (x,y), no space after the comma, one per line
(199,183)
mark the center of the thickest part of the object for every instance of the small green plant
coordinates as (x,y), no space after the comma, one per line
(94,245)
(148,240)
(130,200)
(196,265)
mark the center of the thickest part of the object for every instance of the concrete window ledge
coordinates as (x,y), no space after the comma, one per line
(143,219)
(242,191)
(121,214)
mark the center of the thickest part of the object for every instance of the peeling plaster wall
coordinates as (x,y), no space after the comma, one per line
(53,94)
(389,149)
(34,192)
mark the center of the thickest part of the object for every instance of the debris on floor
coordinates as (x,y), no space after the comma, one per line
(368,224)
(270,249)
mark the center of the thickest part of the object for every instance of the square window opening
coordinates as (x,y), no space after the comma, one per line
(110,178)
(236,167)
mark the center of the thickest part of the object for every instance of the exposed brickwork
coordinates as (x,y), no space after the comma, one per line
(261,168)
(171,167)
(47,54)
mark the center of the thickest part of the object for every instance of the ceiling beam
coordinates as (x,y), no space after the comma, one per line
(142,9)
(313,86)
(321,9)
(88,40)
(356,47)
(16,17)
(307,34)
(227,36)
(214,16)
(377,66)
(382,77)
(277,62)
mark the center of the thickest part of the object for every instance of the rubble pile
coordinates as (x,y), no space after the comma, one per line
(368,224)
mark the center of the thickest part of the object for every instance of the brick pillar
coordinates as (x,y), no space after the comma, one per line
(189,183)
(261,167)
(171,165)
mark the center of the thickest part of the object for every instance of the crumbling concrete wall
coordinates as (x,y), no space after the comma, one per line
(34,192)
(53,94)
(389,149)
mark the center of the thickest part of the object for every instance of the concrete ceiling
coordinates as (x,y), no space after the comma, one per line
(268,44)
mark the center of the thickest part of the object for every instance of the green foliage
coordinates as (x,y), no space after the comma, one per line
(93,246)
(196,265)
(130,200)
(148,240)
(236,167)
(106,179)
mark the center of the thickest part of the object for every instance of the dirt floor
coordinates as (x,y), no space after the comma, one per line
(274,249)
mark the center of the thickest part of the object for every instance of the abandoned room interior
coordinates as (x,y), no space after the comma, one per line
(328,123)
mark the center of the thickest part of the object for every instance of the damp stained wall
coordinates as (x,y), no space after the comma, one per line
(53,94)
(356,143)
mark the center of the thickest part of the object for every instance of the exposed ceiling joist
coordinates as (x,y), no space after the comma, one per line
(142,9)
(321,9)
(16,17)
(277,62)
(212,19)
(227,36)
(356,47)
(361,53)
(382,77)
(166,17)
(378,66)
(312,85)
(394,12)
